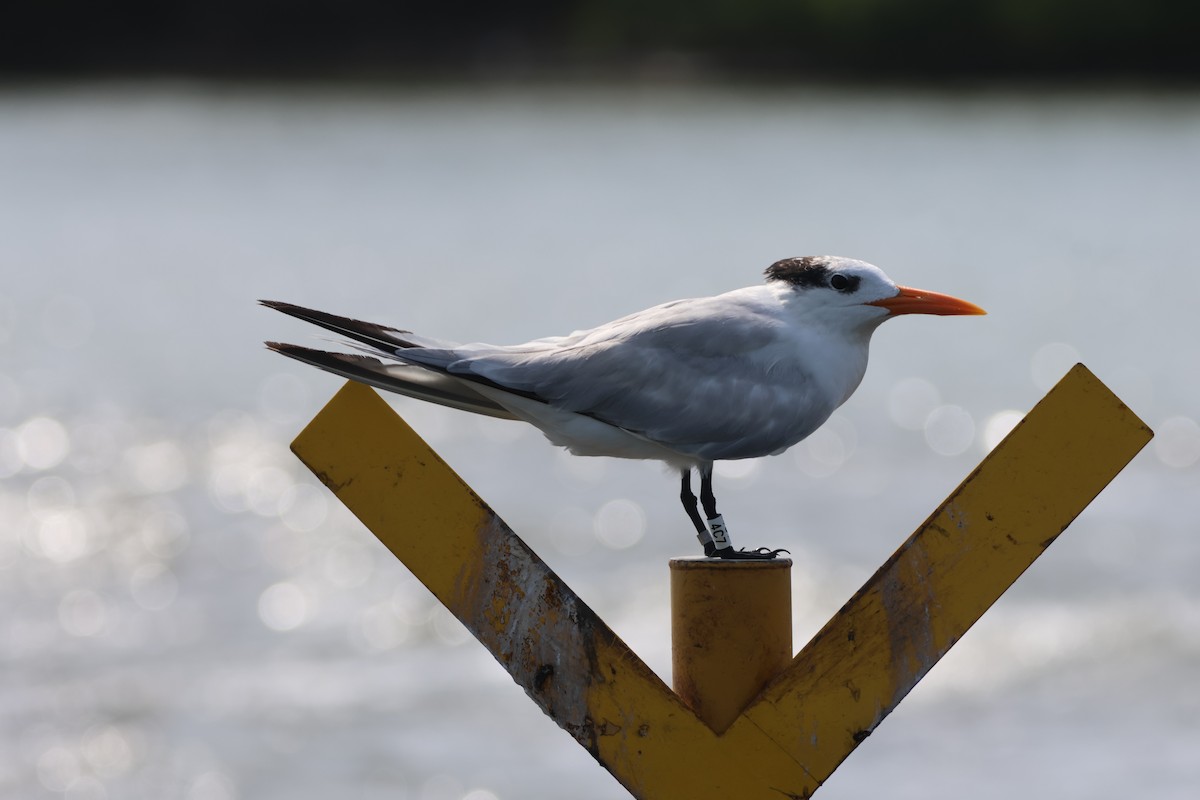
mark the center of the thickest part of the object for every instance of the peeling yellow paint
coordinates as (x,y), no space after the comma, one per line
(832,694)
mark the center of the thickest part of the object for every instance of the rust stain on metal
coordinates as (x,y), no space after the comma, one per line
(907,598)
(331,484)
(608,728)
(538,630)
(957,515)
(544,673)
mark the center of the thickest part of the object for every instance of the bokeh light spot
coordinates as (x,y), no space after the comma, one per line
(743,471)
(827,449)
(158,467)
(620,523)
(1177,442)
(62,536)
(108,750)
(58,768)
(42,443)
(303,507)
(283,607)
(11,461)
(446,627)
(48,495)
(998,426)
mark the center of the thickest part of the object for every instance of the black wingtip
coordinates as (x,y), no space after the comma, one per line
(287,308)
(383,337)
(308,354)
(320,358)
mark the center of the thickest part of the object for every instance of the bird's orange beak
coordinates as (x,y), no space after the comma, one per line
(919,301)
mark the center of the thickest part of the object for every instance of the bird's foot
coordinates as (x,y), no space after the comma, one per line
(757,554)
(717,544)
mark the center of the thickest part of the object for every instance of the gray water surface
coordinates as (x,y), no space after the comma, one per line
(188,614)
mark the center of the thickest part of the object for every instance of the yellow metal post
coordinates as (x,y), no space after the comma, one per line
(948,573)
(829,698)
(731,632)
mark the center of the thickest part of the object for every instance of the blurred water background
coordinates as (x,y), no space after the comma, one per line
(188,614)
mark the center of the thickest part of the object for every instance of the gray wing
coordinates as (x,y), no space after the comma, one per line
(710,378)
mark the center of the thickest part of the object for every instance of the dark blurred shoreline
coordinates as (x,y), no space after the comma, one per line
(854,41)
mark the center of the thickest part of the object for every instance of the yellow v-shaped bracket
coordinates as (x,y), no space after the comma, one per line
(836,690)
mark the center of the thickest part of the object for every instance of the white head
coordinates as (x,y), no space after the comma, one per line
(854,294)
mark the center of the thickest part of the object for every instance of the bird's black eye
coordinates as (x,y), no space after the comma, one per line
(840,282)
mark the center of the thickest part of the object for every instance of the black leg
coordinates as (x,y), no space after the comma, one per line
(722,546)
(717,525)
(707,498)
(689,505)
(689,501)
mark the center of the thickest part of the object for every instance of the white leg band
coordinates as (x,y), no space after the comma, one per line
(720,534)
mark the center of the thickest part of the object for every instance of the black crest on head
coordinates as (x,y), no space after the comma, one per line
(809,271)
